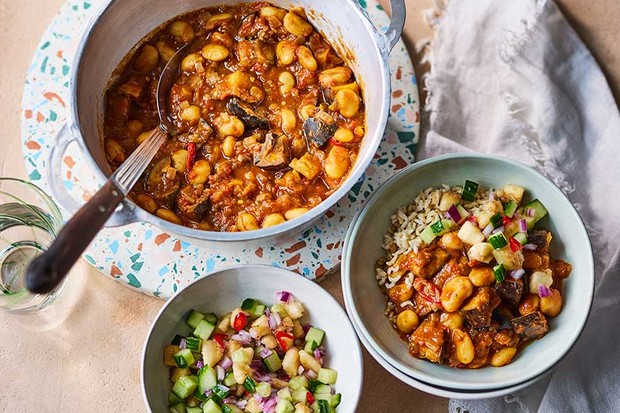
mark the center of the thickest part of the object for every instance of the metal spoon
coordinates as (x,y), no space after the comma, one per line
(46,271)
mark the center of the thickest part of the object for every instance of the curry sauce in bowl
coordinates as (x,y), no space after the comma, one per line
(270,118)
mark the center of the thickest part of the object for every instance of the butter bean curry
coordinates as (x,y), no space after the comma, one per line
(269,118)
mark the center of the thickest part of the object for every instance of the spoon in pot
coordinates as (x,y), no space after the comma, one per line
(47,270)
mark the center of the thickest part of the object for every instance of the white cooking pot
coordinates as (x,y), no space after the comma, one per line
(121,24)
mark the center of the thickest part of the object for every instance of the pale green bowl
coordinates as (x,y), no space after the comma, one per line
(220,292)
(366,304)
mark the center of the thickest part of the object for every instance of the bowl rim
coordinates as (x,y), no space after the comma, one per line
(136,214)
(326,297)
(361,328)
(443,391)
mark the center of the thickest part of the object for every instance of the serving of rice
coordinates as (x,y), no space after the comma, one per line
(403,236)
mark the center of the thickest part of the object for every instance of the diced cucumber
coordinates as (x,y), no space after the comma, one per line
(310,347)
(284,406)
(322,389)
(463,212)
(427,235)
(169,352)
(499,273)
(470,189)
(498,240)
(259,310)
(323,396)
(177,408)
(323,406)
(298,382)
(273,362)
(185,386)
(279,308)
(242,356)
(335,401)
(211,406)
(211,318)
(284,394)
(510,208)
(200,396)
(194,344)
(316,335)
(496,220)
(204,329)
(263,389)
(194,410)
(521,238)
(327,376)
(230,408)
(249,384)
(229,380)
(184,358)
(207,379)
(173,398)
(539,212)
(299,395)
(249,304)
(312,386)
(194,318)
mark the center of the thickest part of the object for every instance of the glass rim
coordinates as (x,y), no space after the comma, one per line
(54,210)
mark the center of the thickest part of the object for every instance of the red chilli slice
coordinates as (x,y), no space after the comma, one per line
(309,397)
(515,245)
(191,155)
(427,290)
(240,321)
(219,339)
(280,336)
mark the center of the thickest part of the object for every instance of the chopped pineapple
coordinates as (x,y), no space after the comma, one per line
(470,234)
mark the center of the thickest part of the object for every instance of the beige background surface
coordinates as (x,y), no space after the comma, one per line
(83,353)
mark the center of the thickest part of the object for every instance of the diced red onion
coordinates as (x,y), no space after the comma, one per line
(265,352)
(516,274)
(306,327)
(242,403)
(220,373)
(454,214)
(270,405)
(277,318)
(530,247)
(498,229)
(226,363)
(317,355)
(310,374)
(530,212)
(543,291)
(253,334)
(208,392)
(200,364)
(256,364)
(300,370)
(284,296)
(243,337)
(522,225)
(491,196)
(272,321)
(487,230)
(183,344)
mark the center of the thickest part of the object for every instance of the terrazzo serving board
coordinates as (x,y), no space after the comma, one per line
(143,256)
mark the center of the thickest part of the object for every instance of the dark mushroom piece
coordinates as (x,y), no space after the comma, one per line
(247,115)
(192,204)
(273,152)
(163,182)
(319,128)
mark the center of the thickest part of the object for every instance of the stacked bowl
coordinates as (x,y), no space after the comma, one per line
(366,303)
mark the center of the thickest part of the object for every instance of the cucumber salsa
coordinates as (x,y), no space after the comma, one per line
(254,359)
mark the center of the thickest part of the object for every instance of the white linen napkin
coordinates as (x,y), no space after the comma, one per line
(513,78)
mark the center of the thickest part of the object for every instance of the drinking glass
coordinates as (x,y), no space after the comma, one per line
(29,222)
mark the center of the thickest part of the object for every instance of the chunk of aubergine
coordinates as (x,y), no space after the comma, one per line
(273,153)
(192,204)
(510,291)
(248,116)
(479,308)
(530,326)
(539,237)
(319,128)
(163,182)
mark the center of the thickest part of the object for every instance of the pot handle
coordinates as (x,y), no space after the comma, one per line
(397,23)
(124,215)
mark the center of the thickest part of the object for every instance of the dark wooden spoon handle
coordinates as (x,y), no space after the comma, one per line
(47,270)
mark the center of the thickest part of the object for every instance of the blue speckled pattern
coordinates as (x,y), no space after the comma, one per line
(157,263)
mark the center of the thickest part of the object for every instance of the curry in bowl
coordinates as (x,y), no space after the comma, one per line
(468,275)
(269,118)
